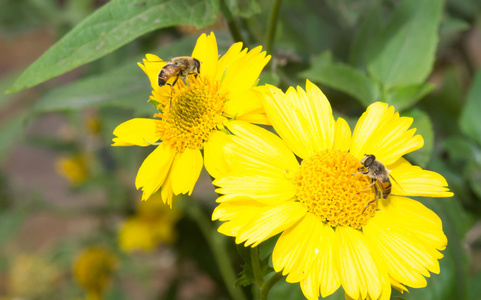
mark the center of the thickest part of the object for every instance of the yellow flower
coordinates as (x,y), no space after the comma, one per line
(93,270)
(74,168)
(329,236)
(200,108)
(33,277)
(153,224)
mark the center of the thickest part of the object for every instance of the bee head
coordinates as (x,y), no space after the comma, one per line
(197,64)
(368,160)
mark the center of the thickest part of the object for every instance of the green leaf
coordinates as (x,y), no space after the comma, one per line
(470,121)
(243,8)
(343,78)
(403,97)
(5,82)
(452,26)
(474,177)
(126,86)
(110,27)
(246,276)
(404,52)
(285,290)
(369,28)
(424,127)
(269,77)
(460,149)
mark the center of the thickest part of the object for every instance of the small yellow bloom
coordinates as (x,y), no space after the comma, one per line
(73,168)
(153,224)
(32,277)
(329,236)
(93,270)
(192,120)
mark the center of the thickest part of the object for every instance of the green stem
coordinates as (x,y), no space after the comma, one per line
(256,267)
(217,245)
(233,28)
(269,284)
(271,29)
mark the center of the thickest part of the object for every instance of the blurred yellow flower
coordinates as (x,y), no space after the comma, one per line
(93,269)
(92,122)
(192,119)
(154,223)
(32,277)
(74,168)
(329,236)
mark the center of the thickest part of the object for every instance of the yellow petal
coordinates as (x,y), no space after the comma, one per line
(342,135)
(417,220)
(246,106)
(270,221)
(359,273)
(327,272)
(152,65)
(323,276)
(383,133)
(207,53)
(154,170)
(186,170)
(407,257)
(266,189)
(140,132)
(243,73)
(304,252)
(298,248)
(166,191)
(234,53)
(214,160)
(303,119)
(411,180)
(398,286)
(236,212)
(255,150)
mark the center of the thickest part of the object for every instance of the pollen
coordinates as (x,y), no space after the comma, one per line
(193,112)
(326,186)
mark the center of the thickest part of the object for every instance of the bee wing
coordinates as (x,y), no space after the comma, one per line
(380,181)
(394,180)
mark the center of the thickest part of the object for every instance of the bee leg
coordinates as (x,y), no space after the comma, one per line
(372,183)
(195,75)
(171,87)
(362,171)
(377,197)
(368,205)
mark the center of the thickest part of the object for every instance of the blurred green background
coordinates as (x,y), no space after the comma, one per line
(67,199)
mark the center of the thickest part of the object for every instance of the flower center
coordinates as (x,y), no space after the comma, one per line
(194,111)
(325,184)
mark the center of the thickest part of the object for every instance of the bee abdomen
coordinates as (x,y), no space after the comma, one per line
(386,191)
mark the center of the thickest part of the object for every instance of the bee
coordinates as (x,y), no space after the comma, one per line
(180,67)
(379,175)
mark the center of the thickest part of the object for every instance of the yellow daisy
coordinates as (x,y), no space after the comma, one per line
(189,122)
(93,270)
(153,223)
(330,236)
